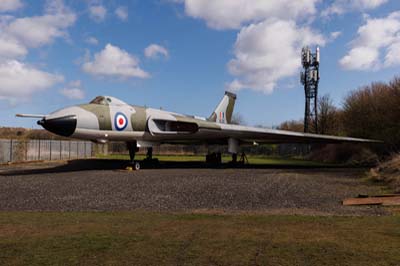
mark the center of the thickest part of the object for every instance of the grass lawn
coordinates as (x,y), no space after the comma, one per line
(198,158)
(142,238)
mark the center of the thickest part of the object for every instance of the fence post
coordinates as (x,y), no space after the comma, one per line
(39,150)
(77,149)
(60,149)
(11,150)
(50,149)
(85,148)
(69,149)
(26,150)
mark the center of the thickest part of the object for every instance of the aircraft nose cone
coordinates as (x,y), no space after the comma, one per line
(63,126)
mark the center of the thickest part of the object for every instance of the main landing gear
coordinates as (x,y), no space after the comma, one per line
(149,160)
(242,160)
(214,158)
(132,147)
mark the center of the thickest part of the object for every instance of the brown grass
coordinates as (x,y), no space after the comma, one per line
(143,238)
(388,172)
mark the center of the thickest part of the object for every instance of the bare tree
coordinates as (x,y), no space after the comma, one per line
(292,125)
(374,112)
(328,116)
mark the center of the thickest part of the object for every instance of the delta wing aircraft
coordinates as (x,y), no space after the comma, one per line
(107,118)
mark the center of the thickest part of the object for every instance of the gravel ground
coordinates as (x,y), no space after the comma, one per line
(95,185)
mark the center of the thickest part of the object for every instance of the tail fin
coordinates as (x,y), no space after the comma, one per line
(224,110)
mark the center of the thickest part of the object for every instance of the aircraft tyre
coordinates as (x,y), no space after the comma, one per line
(136,166)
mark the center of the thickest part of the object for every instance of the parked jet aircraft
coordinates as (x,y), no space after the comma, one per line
(107,118)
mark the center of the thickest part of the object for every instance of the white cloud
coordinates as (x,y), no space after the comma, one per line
(229,14)
(122,13)
(377,37)
(335,35)
(11,48)
(73,91)
(97,12)
(267,52)
(272,33)
(343,6)
(92,40)
(155,50)
(41,30)
(19,81)
(19,34)
(10,5)
(114,62)
(392,57)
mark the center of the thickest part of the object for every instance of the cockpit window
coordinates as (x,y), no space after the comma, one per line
(107,100)
(100,100)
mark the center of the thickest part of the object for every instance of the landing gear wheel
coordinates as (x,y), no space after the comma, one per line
(136,166)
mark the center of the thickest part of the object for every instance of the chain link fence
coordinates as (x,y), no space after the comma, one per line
(38,149)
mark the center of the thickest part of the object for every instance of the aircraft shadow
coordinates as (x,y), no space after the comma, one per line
(106,164)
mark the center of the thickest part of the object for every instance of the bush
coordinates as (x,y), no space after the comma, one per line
(355,154)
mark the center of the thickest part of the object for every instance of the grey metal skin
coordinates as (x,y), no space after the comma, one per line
(100,121)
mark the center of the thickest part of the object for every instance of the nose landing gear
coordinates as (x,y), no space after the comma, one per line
(132,147)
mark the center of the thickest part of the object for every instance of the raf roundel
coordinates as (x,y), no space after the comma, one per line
(120,121)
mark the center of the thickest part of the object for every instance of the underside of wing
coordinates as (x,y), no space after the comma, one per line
(173,129)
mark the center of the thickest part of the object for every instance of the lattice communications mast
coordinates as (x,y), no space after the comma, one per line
(310,79)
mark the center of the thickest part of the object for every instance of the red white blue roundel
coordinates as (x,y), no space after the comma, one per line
(120,121)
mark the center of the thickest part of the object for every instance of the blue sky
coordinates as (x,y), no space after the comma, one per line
(182,55)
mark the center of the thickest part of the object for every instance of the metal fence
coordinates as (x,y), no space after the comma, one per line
(38,149)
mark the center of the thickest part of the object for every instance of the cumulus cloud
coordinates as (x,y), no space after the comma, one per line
(19,34)
(122,13)
(10,5)
(73,90)
(40,30)
(272,33)
(155,50)
(343,6)
(376,45)
(19,81)
(97,12)
(11,48)
(92,41)
(228,14)
(114,62)
(267,52)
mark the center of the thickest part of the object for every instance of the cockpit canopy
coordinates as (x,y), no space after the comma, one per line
(107,100)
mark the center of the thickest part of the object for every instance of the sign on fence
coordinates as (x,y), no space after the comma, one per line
(38,149)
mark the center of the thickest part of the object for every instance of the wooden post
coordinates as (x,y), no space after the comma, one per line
(39,151)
